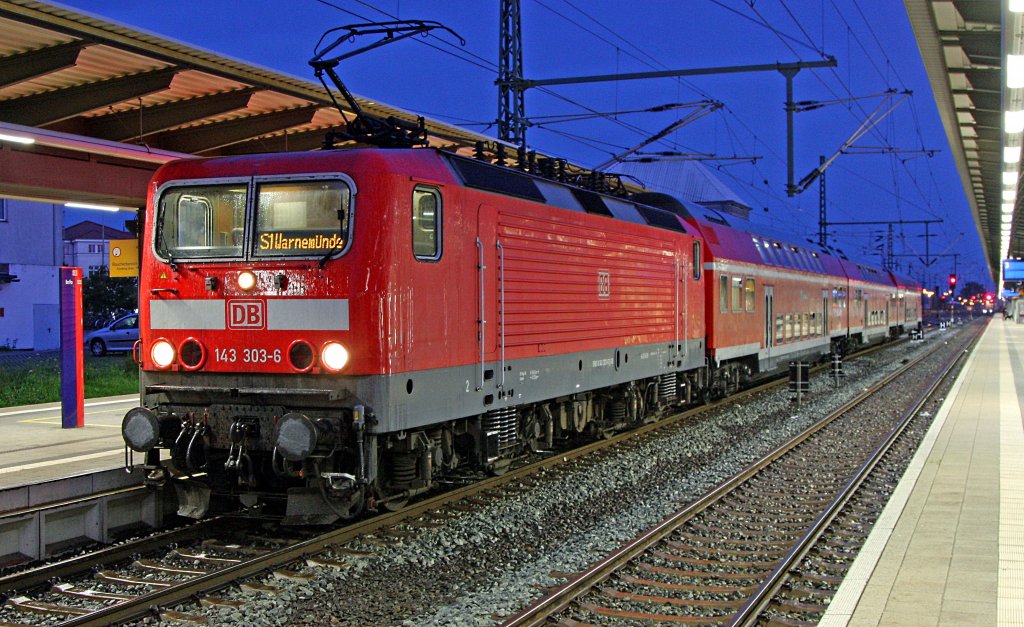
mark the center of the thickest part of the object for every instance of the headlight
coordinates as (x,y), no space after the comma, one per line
(246,280)
(162,353)
(333,356)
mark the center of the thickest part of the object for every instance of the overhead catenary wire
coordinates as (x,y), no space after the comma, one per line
(736,129)
(654,64)
(849,91)
(476,60)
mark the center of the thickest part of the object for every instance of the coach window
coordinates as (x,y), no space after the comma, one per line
(696,261)
(737,293)
(426,223)
(748,288)
(723,293)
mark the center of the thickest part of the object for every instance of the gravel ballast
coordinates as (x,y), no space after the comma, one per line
(483,565)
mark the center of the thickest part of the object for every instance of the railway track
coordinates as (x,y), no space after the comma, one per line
(770,544)
(136,580)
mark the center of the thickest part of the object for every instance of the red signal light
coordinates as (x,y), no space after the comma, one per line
(952,280)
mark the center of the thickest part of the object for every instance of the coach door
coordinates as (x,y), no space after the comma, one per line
(824,314)
(769,320)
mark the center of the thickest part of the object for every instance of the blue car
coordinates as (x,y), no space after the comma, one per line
(119,335)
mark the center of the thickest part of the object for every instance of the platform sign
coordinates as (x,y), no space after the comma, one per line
(72,373)
(124,257)
(1013,270)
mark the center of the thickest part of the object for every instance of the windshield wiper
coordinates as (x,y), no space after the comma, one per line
(330,253)
(163,248)
(342,240)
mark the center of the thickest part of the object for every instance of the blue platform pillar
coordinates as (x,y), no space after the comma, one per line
(72,371)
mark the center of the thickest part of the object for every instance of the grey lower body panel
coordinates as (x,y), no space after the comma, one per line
(780,356)
(457,392)
(421,398)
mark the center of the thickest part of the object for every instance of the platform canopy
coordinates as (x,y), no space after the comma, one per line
(964,44)
(107,104)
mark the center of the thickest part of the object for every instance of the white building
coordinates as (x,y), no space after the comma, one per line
(87,245)
(31,250)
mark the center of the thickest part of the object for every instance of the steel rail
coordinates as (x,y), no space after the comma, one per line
(188,590)
(29,579)
(185,591)
(762,597)
(560,599)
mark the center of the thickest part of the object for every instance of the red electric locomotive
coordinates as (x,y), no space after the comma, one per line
(346,326)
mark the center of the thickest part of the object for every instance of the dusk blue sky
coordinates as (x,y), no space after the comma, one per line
(871,40)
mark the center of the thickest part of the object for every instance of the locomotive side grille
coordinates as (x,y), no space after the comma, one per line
(667,387)
(503,422)
(563,282)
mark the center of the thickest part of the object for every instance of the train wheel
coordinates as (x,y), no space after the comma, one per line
(346,506)
(499,467)
(395,504)
(349,506)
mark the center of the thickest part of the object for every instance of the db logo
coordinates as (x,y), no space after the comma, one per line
(246,314)
(604,284)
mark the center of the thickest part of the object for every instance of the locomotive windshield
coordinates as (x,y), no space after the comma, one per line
(290,219)
(301,219)
(201,221)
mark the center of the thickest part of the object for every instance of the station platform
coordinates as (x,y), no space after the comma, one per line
(949,547)
(35,449)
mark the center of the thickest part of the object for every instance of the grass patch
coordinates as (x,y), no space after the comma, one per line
(39,380)
(111,375)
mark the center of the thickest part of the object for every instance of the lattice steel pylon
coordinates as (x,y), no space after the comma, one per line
(511,92)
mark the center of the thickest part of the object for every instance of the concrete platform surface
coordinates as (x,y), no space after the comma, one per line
(34,447)
(949,547)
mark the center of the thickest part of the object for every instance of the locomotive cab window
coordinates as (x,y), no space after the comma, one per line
(301,219)
(426,223)
(201,221)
